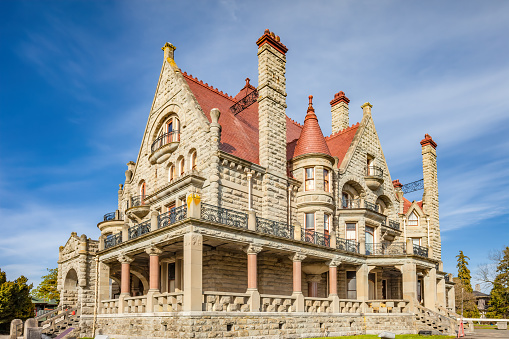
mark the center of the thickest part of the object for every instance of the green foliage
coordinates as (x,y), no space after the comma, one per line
(15,301)
(499,296)
(463,271)
(465,299)
(47,289)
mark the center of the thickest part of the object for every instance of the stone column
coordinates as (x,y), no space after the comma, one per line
(361,278)
(178,275)
(430,289)
(193,262)
(252,277)
(409,273)
(451,296)
(333,283)
(125,281)
(215,140)
(297,281)
(153,220)
(164,276)
(193,206)
(154,279)
(104,282)
(441,293)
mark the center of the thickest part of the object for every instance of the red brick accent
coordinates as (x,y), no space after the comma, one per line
(338,97)
(428,141)
(397,184)
(273,40)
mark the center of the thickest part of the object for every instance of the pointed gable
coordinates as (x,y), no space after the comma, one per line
(311,138)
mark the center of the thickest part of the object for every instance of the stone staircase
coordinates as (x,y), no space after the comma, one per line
(438,324)
(63,325)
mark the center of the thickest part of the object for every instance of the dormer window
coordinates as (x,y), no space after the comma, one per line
(413,219)
(309,178)
(326,180)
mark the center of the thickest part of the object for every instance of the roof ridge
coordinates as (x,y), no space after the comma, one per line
(206,85)
(295,122)
(333,135)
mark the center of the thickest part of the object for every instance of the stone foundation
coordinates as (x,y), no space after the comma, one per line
(240,325)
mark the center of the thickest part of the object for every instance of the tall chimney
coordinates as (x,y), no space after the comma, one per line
(339,111)
(272,102)
(430,195)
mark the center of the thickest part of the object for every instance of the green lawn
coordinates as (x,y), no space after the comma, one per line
(398,336)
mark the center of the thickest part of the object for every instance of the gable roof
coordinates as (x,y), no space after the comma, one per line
(407,204)
(239,132)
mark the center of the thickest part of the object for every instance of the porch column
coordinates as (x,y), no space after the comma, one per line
(361,278)
(125,280)
(333,283)
(297,280)
(409,273)
(430,289)
(451,296)
(154,253)
(252,277)
(193,261)
(441,293)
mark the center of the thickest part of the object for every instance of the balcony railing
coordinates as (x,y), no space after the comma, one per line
(113,240)
(347,245)
(138,230)
(370,206)
(395,248)
(165,139)
(420,250)
(138,200)
(309,235)
(172,216)
(113,216)
(351,203)
(374,171)
(279,229)
(394,224)
(223,216)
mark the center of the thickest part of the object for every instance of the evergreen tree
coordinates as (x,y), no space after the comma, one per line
(47,289)
(499,295)
(464,295)
(15,301)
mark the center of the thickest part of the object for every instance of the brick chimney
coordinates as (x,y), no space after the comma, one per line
(272,102)
(339,111)
(430,195)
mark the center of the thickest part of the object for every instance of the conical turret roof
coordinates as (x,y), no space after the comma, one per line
(311,138)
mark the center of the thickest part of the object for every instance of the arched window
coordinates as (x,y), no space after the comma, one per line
(171,172)
(182,168)
(413,219)
(193,161)
(143,192)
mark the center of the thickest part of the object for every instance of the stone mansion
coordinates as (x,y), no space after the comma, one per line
(237,221)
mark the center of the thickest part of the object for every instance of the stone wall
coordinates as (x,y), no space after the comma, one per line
(238,325)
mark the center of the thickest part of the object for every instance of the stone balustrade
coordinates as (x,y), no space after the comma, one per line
(135,304)
(318,305)
(349,306)
(109,306)
(277,303)
(386,306)
(226,302)
(168,302)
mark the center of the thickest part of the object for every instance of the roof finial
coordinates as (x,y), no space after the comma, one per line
(247,82)
(310,107)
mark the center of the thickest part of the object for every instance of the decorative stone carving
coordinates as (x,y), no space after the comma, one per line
(125,259)
(153,251)
(253,249)
(297,256)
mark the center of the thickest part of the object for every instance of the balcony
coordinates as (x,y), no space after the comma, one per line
(347,245)
(420,251)
(164,146)
(374,177)
(112,222)
(316,238)
(276,228)
(138,208)
(394,248)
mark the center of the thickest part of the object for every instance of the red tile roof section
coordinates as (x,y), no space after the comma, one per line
(407,204)
(340,142)
(311,138)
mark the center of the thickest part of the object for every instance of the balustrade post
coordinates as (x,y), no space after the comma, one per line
(193,206)
(333,240)
(409,246)
(297,232)
(125,281)
(193,271)
(252,277)
(102,238)
(125,232)
(251,220)
(297,281)
(153,220)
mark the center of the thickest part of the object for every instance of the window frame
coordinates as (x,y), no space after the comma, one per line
(306,221)
(411,221)
(311,180)
(192,160)
(326,180)
(182,166)
(326,223)
(354,230)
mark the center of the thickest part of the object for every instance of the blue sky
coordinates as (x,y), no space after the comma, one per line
(77,80)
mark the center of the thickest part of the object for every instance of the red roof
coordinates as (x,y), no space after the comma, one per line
(239,133)
(311,138)
(407,204)
(340,142)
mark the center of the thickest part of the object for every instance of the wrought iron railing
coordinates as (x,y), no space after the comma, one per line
(347,245)
(370,206)
(420,250)
(374,171)
(386,248)
(166,138)
(174,215)
(309,235)
(223,216)
(138,230)
(351,203)
(394,224)
(280,229)
(138,200)
(113,240)
(113,216)
(245,102)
